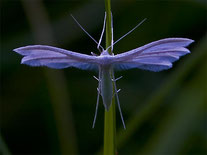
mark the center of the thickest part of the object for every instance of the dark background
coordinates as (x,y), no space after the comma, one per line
(45,111)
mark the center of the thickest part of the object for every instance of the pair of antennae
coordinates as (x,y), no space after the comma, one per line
(104,25)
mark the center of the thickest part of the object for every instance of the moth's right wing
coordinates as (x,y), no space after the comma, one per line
(155,56)
(52,57)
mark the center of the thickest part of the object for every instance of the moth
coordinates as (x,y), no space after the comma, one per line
(155,56)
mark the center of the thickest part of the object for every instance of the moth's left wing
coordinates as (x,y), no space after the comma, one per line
(53,57)
(156,56)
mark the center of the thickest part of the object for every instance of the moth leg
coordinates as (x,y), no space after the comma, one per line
(117,92)
(96,111)
(117,78)
(97,90)
(97,102)
(96,78)
(117,98)
(99,42)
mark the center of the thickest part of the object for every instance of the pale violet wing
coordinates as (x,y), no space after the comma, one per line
(52,57)
(155,56)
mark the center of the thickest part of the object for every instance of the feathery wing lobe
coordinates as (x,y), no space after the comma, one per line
(52,57)
(155,56)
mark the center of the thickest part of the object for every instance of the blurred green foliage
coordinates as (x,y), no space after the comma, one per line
(51,111)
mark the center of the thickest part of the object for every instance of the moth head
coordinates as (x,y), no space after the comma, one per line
(105,52)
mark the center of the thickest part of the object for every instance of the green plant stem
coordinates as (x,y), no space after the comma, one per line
(110,121)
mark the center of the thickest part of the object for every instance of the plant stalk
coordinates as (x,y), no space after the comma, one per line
(110,120)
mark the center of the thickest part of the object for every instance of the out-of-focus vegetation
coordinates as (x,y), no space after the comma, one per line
(51,111)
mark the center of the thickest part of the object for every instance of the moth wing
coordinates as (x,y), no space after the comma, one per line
(52,57)
(155,56)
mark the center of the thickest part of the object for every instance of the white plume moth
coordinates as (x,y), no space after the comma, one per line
(155,56)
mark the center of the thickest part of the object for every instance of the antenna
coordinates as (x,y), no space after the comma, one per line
(128,33)
(86,32)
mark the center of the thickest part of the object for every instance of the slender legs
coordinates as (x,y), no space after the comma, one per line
(116,94)
(117,98)
(98,94)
